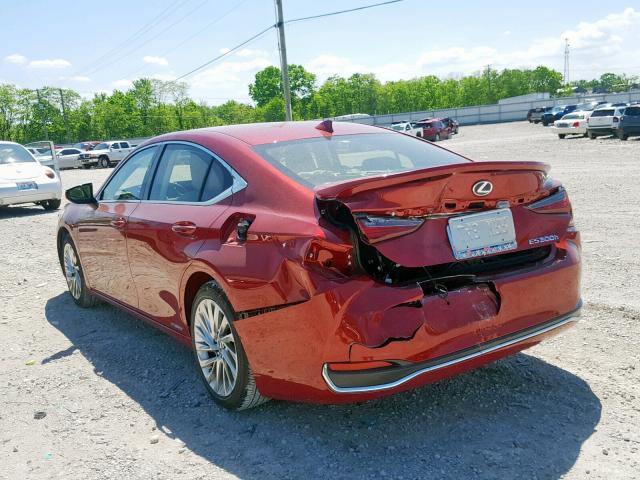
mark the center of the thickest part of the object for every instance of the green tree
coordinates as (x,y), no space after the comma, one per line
(268,85)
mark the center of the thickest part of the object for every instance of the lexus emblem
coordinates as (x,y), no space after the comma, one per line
(482,188)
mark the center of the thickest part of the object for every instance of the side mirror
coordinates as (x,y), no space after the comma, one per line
(82,194)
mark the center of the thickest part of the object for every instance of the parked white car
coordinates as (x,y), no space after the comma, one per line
(43,155)
(407,127)
(24,180)
(604,121)
(574,123)
(106,154)
(69,157)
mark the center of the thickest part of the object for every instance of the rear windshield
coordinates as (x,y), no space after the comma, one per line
(316,161)
(573,116)
(602,113)
(14,154)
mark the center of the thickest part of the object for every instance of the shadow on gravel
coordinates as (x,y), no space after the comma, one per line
(16,211)
(517,418)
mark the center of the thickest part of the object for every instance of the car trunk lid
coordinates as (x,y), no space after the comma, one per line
(20,171)
(429,198)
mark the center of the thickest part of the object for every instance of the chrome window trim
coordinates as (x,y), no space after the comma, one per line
(570,317)
(238,183)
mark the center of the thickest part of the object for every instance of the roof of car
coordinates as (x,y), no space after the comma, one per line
(261,133)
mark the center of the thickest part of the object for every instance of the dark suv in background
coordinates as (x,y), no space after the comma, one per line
(556,113)
(534,115)
(629,124)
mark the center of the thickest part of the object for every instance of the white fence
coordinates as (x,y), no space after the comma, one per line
(510,112)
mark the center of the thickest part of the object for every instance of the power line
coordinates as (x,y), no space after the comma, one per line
(135,49)
(136,35)
(209,62)
(364,7)
(206,27)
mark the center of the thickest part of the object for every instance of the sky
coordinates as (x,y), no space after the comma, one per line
(96,46)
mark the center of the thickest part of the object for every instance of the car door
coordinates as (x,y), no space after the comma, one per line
(101,235)
(190,191)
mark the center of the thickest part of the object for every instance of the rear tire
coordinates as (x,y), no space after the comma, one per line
(49,205)
(86,166)
(592,136)
(622,136)
(561,136)
(74,275)
(437,138)
(219,356)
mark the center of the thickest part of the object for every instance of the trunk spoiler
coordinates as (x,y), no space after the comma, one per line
(342,190)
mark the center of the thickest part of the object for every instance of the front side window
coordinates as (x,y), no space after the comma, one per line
(127,183)
(632,112)
(14,154)
(316,161)
(188,174)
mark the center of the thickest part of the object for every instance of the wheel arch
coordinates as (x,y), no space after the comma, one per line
(63,233)
(196,275)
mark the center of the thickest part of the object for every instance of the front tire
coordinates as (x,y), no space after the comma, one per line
(50,205)
(622,136)
(437,139)
(592,136)
(218,352)
(104,162)
(74,275)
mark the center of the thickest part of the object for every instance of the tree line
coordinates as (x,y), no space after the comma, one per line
(151,107)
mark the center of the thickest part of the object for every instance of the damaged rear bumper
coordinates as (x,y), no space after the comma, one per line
(386,378)
(319,350)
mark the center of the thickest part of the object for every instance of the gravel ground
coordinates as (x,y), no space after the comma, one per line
(121,399)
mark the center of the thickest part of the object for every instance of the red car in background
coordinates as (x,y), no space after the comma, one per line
(331,262)
(86,146)
(434,129)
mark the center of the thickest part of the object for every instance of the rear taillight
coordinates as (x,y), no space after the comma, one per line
(49,173)
(616,119)
(327,256)
(382,227)
(576,124)
(557,202)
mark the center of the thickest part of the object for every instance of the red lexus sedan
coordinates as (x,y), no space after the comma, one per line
(330,262)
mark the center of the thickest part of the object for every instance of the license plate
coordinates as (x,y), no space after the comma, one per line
(482,234)
(27,185)
(563,125)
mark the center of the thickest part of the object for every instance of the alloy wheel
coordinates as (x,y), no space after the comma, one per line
(216,348)
(72,271)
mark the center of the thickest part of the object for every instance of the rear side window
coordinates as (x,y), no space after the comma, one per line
(188,174)
(632,111)
(316,161)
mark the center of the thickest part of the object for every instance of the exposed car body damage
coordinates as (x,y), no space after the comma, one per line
(352,276)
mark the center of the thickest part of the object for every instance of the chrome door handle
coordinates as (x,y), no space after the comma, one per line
(118,222)
(186,229)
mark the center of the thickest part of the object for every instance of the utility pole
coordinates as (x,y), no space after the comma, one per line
(566,61)
(40,107)
(283,61)
(489,82)
(64,115)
